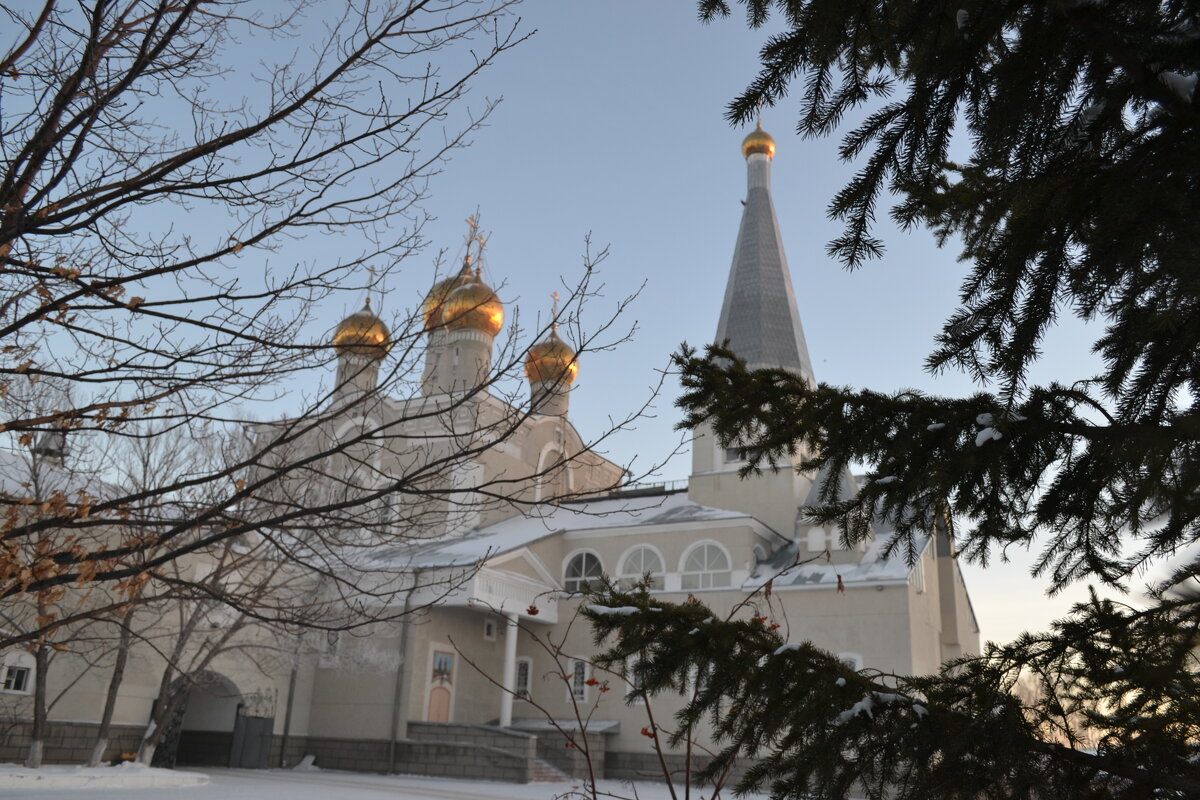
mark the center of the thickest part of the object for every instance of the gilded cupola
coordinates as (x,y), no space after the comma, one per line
(474,306)
(362,334)
(435,300)
(551,359)
(759,141)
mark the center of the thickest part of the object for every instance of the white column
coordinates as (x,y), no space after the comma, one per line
(510,669)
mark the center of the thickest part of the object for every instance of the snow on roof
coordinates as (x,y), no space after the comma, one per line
(521,530)
(873,567)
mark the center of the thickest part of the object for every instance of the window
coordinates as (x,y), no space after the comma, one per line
(329,650)
(524,670)
(489,630)
(821,538)
(697,679)
(818,539)
(917,576)
(639,562)
(735,454)
(582,572)
(706,566)
(633,675)
(577,691)
(16,679)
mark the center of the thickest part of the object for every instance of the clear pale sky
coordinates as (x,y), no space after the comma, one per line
(611,123)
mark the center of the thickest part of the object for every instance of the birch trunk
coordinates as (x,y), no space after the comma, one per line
(41,661)
(114,686)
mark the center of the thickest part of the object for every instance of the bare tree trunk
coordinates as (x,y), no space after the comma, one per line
(114,686)
(162,713)
(153,732)
(41,658)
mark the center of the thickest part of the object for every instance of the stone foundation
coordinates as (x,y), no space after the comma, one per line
(66,742)
(552,747)
(478,752)
(647,767)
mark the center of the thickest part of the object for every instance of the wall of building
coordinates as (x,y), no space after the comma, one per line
(925,615)
(771,497)
(353,685)
(872,624)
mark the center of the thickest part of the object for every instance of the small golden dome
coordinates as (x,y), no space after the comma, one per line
(759,141)
(431,308)
(362,334)
(551,359)
(474,305)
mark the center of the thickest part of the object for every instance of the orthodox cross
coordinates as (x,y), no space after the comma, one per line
(481,241)
(472,233)
(370,269)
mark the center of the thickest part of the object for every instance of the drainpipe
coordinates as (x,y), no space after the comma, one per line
(403,673)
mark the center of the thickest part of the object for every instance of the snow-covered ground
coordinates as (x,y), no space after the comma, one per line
(231,784)
(17,778)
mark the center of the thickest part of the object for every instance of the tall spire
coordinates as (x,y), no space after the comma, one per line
(759,316)
(760,321)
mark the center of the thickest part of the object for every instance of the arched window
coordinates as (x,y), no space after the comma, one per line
(639,562)
(582,571)
(705,566)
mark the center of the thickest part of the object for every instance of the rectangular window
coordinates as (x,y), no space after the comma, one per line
(329,650)
(578,679)
(16,679)
(632,677)
(735,454)
(489,630)
(917,578)
(704,580)
(524,668)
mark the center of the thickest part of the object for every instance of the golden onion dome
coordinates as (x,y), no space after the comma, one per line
(759,141)
(475,306)
(362,334)
(551,359)
(435,299)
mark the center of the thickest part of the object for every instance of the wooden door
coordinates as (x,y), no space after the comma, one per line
(441,686)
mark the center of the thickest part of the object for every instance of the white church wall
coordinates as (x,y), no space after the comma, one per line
(873,624)
(925,618)
(769,497)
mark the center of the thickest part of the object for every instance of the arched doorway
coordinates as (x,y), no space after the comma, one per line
(209,719)
(211,727)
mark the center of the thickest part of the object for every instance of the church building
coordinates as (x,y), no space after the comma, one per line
(490,673)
